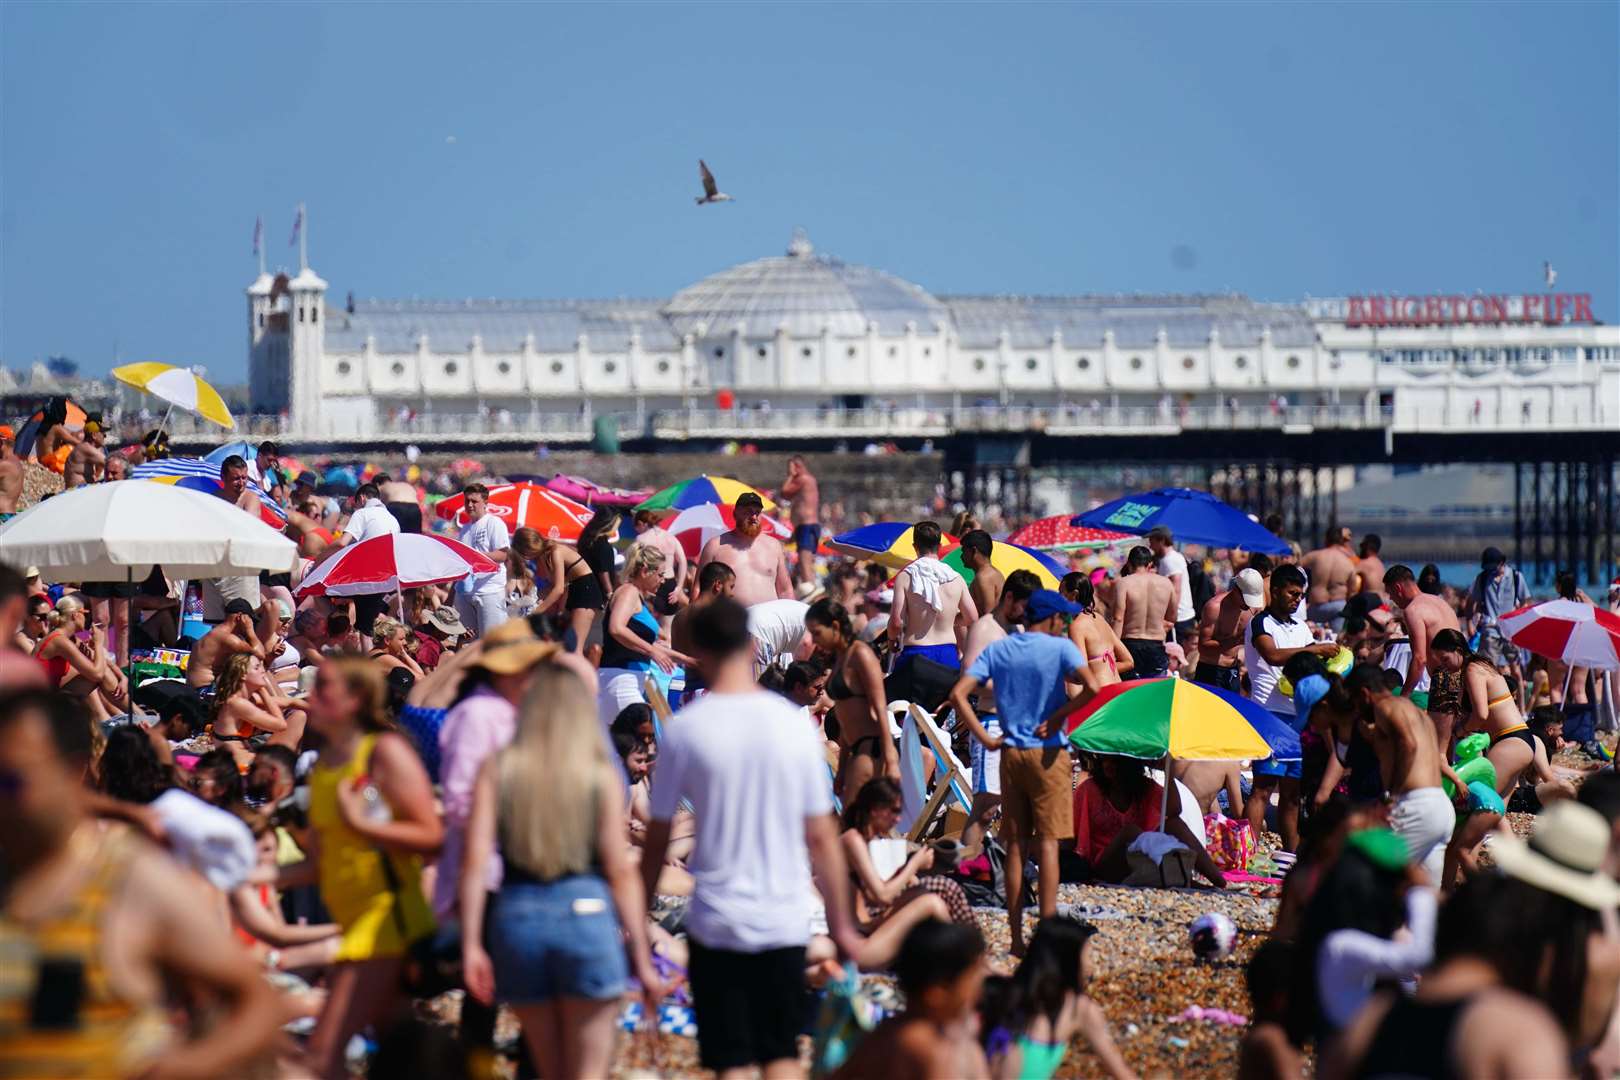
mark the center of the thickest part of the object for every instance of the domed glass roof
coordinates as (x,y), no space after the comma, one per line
(803,292)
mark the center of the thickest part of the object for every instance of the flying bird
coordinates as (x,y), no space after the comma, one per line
(711,192)
(1549,274)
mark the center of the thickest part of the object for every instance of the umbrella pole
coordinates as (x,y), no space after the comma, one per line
(1563,700)
(1164,799)
(401,595)
(166,414)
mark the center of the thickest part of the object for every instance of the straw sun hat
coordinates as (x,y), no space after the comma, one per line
(1564,855)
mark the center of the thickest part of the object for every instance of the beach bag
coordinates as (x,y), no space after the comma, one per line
(847,1016)
(1230,842)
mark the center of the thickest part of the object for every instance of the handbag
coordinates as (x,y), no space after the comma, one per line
(433,960)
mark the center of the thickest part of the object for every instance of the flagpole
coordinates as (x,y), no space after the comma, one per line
(303,238)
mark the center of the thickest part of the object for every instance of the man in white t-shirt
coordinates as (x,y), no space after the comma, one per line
(370,518)
(756,778)
(777,627)
(481,598)
(1173,565)
(1276,633)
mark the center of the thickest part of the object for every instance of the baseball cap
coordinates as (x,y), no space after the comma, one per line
(1307,692)
(239,606)
(1252,587)
(1382,848)
(1491,558)
(1044,603)
(1160,532)
(7,433)
(512,647)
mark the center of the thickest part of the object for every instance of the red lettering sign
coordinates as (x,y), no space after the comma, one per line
(1439,309)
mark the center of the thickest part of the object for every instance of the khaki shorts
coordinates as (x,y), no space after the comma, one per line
(1037,791)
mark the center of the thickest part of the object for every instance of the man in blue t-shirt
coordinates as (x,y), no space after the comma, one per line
(1037,789)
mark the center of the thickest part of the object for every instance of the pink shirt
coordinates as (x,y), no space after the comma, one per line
(474,729)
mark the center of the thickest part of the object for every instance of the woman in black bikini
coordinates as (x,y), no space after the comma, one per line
(570,582)
(855,686)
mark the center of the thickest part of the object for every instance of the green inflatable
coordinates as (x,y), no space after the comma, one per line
(1479,768)
(1472,747)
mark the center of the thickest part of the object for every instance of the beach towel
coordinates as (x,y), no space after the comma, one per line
(924,578)
(913,780)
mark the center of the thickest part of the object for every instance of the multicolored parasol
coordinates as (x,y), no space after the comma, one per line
(1152,718)
(699,490)
(887,543)
(1007,557)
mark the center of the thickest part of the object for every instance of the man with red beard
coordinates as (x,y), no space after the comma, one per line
(754,555)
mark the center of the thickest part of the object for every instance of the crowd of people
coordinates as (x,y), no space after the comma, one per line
(250,836)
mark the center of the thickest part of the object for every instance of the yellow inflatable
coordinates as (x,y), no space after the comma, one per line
(1339,663)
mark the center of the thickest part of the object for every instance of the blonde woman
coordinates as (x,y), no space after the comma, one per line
(246,702)
(631,650)
(553,805)
(522,593)
(83,671)
(390,646)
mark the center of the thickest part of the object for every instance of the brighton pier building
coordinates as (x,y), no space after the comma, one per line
(805,342)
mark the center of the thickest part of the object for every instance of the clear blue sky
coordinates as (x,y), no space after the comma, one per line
(1285,149)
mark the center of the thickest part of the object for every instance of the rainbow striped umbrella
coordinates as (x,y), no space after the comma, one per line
(1155,718)
(887,543)
(1008,557)
(200,475)
(699,490)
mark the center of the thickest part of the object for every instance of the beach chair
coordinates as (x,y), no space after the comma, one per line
(952,782)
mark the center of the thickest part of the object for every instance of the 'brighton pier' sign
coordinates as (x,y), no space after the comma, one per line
(1443,309)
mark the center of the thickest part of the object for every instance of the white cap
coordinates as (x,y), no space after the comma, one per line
(1252,587)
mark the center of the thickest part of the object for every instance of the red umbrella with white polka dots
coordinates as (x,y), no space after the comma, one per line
(1056,534)
(1579,634)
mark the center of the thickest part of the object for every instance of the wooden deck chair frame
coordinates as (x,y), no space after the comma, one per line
(955,777)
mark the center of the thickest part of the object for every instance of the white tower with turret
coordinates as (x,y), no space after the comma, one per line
(306,338)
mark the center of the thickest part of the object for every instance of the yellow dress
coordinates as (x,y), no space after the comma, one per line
(354,885)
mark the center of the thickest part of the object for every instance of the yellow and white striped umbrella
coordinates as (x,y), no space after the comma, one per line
(179,387)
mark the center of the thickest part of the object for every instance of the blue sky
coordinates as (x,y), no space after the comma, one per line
(523,151)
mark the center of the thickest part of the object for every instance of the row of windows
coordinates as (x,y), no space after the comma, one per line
(504,367)
(1504,355)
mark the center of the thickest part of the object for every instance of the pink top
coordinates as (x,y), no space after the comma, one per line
(473,730)
(1097,821)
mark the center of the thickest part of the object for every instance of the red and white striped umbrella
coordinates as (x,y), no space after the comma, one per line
(695,525)
(393,562)
(1578,634)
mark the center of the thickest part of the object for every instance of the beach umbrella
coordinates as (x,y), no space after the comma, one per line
(699,490)
(1057,534)
(887,543)
(118,531)
(592,494)
(342,479)
(695,526)
(526,506)
(58,410)
(180,387)
(394,562)
(1195,517)
(1579,634)
(199,474)
(1150,718)
(1007,557)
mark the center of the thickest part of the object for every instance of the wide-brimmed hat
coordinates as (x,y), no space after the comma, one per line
(447,621)
(512,648)
(1564,855)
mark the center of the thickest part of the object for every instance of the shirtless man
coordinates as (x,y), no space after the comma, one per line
(234,635)
(1144,609)
(11,472)
(987,580)
(1206,780)
(1425,616)
(670,595)
(233,485)
(116,952)
(1371,567)
(755,556)
(986,764)
(802,487)
(1220,631)
(1411,764)
(400,498)
(117,468)
(1332,572)
(87,458)
(932,609)
(716,581)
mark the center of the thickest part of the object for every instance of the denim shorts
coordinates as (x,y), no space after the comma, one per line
(556,939)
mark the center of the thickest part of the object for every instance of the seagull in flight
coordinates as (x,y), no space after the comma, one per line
(711,192)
